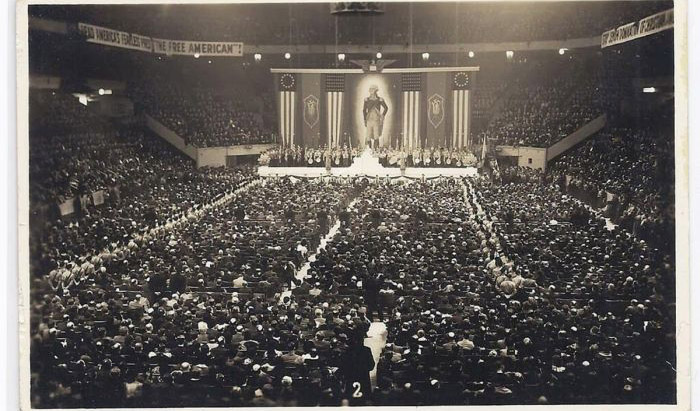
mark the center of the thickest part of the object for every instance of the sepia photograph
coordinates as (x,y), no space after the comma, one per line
(302,204)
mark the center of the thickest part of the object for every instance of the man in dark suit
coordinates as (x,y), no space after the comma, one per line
(356,364)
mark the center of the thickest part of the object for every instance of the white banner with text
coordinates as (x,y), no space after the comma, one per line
(116,38)
(644,27)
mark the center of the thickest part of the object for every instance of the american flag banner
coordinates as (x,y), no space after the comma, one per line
(335,91)
(461,109)
(287,105)
(410,130)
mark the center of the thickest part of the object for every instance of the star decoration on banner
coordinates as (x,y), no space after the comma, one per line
(287,81)
(461,79)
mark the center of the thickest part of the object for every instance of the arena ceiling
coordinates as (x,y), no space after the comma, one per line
(313,23)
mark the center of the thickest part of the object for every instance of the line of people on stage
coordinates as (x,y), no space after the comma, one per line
(426,157)
(298,156)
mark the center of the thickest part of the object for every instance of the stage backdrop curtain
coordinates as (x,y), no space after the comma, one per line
(437,109)
(287,108)
(310,89)
(461,108)
(411,85)
(335,109)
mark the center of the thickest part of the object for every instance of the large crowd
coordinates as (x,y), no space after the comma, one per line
(158,284)
(486,280)
(540,114)
(202,118)
(629,173)
(200,305)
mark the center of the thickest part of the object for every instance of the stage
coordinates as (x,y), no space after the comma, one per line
(367,165)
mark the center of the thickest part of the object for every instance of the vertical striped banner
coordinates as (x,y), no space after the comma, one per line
(461,110)
(287,115)
(335,93)
(335,116)
(410,130)
(287,104)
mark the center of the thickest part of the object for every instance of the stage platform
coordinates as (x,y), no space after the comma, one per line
(367,165)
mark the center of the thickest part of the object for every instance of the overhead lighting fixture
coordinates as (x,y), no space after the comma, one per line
(471,54)
(379,54)
(257,56)
(341,56)
(82,98)
(649,90)
(562,51)
(287,56)
(101,92)
(209,61)
(196,55)
(426,56)
(509,54)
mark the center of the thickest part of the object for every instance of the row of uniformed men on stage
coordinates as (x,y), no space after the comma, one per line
(297,156)
(426,157)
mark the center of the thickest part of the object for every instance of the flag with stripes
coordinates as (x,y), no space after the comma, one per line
(335,91)
(410,129)
(461,110)
(287,104)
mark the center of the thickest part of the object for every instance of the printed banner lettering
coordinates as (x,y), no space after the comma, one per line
(115,38)
(644,27)
(109,37)
(203,48)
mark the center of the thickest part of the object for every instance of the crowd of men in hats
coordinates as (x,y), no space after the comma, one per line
(183,287)
(202,118)
(435,157)
(299,156)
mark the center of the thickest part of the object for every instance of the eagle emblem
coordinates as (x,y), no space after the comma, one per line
(311,110)
(436,110)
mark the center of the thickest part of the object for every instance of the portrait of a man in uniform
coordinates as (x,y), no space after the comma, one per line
(374,111)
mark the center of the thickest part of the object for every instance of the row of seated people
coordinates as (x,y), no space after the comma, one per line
(530,329)
(603,303)
(144,183)
(507,174)
(202,118)
(298,156)
(259,209)
(540,115)
(413,253)
(633,165)
(199,306)
(57,111)
(426,157)
(107,349)
(486,93)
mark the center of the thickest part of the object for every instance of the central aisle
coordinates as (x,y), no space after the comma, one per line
(376,341)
